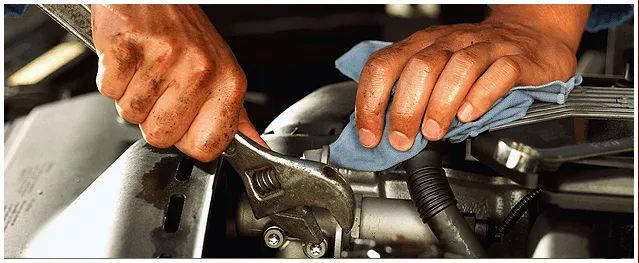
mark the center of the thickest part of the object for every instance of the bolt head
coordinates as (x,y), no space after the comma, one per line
(274,238)
(315,250)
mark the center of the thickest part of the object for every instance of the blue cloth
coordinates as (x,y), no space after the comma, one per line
(347,152)
(15,10)
(608,16)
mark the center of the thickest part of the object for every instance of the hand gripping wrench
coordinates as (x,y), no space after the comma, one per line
(281,187)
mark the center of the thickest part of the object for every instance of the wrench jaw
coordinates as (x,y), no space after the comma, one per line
(285,188)
(341,203)
(300,222)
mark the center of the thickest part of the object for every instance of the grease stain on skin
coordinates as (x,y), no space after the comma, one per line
(154,85)
(138,105)
(126,55)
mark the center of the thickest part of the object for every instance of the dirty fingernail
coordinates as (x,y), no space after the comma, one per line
(399,141)
(431,130)
(367,138)
(465,112)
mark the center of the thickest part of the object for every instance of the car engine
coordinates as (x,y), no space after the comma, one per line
(558,183)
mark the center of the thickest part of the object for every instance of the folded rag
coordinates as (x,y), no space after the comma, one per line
(347,152)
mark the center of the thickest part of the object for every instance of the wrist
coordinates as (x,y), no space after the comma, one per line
(564,23)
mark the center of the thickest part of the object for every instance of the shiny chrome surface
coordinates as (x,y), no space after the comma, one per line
(608,103)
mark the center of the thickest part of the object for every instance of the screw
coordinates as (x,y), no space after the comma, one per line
(315,250)
(274,237)
(274,240)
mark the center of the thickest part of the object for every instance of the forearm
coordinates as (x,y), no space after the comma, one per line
(563,22)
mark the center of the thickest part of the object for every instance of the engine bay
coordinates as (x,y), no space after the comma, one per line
(558,183)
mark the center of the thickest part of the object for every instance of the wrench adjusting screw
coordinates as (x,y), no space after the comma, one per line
(266,181)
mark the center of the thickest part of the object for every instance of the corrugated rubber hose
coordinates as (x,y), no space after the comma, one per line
(436,203)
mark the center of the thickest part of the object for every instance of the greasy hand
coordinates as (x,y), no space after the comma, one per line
(170,71)
(461,70)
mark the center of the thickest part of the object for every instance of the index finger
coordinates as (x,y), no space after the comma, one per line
(377,79)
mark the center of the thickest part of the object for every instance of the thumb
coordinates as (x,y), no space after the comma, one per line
(246,127)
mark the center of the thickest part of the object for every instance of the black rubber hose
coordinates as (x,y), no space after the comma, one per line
(427,183)
(516,212)
(436,203)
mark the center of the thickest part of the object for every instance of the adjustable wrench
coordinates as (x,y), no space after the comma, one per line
(285,188)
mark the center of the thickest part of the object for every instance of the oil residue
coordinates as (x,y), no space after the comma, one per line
(156,180)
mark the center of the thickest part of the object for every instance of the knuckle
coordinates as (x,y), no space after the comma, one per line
(204,66)
(124,51)
(105,89)
(202,61)
(158,134)
(456,34)
(212,146)
(135,106)
(155,141)
(117,41)
(419,34)
(118,38)
(514,47)
(422,35)
(205,152)
(509,65)
(132,110)
(438,113)
(376,64)
(462,35)
(369,110)
(131,118)
(232,88)
(237,80)
(491,97)
(368,121)
(422,62)
(484,97)
(165,45)
(113,69)
(158,138)
(199,83)
(395,48)
(400,118)
(465,58)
